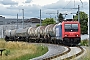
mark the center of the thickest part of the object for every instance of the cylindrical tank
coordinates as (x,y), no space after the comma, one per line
(50,29)
(8,33)
(40,30)
(22,32)
(31,31)
(58,31)
(13,32)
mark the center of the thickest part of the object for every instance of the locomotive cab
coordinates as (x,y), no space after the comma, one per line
(71,32)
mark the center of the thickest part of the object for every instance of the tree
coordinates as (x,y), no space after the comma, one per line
(48,21)
(83,21)
(37,25)
(60,17)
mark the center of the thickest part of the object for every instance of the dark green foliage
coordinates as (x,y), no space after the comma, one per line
(37,25)
(60,17)
(47,21)
(83,21)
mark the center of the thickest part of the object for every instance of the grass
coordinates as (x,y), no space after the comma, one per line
(21,50)
(87,55)
(25,51)
(84,42)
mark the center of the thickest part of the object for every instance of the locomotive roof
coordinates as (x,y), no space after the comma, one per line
(70,22)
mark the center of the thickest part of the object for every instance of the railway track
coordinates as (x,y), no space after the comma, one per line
(75,55)
(59,56)
(64,55)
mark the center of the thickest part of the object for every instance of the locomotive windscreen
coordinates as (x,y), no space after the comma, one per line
(71,27)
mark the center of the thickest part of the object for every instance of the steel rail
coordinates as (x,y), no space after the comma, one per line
(61,54)
(71,57)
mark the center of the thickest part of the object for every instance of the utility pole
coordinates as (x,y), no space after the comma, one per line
(57,16)
(3,30)
(23,18)
(78,14)
(17,20)
(57,13)
(40,17)
(88,30)
(89,25)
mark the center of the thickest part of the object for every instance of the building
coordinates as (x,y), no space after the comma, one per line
(2,19)
(12,21)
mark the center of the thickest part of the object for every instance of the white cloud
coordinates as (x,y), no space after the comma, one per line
(28,1)
(32,9)
(20,2)
(79,0)
(43,2)
(8,2)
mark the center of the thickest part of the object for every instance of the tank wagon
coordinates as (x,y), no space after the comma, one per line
(40,31)
(16,34)
(21,34)
(31,32)
(67,32)
(10,35)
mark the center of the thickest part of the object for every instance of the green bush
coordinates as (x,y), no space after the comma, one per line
(7,52)
(84,42)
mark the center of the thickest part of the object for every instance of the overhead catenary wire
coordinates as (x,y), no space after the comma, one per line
(84,5)
(66,4)
(81,2)
(74,4)
(71,9)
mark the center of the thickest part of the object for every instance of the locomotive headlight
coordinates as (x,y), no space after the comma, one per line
(66,35)
(77,35)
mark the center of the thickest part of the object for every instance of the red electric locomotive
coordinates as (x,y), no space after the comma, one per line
(71,32)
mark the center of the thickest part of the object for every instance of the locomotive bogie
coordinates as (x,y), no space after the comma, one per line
(70,40)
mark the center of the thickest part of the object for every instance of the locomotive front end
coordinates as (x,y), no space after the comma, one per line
(71,32)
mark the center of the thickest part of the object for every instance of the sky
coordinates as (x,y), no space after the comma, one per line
(49,8)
